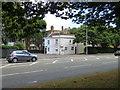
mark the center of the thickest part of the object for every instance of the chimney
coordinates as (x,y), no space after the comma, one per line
(62,28)
(52,28)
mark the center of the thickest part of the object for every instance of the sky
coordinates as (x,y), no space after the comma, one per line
(58,22)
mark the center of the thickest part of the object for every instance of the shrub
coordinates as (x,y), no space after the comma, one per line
(105,50)
(7,47)
(20,46)
(91,50)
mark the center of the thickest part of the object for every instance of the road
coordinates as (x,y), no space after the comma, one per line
(53,67)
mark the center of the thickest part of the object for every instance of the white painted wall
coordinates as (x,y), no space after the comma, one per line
(62,41)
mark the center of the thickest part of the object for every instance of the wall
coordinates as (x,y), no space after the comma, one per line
(63,42)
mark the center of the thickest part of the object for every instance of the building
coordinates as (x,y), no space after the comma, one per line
(59,43)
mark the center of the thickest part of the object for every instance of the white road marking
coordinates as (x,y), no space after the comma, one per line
(16,66)
(116,57)
(55,61)
(33,82)
(71,60)
(22,73)
(34,63)
(107,57)
(109,62)
(97,58)
(78,66)
(5,65)
(85,58)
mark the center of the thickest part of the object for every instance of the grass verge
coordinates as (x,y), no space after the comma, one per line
(107,79)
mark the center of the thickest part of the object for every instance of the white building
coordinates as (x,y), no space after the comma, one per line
(59,43)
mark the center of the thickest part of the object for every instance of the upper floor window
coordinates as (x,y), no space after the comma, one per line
(65,48)
(56,41)
(48,41)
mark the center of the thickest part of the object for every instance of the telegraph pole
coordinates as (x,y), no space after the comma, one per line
(86,36)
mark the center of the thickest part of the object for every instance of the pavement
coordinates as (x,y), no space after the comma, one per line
(53,67)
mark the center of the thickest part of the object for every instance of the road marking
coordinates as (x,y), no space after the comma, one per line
(34,63)
(55,61)
(5,65)
(107,57)
(33,82)
(97,58)
(109,62)
(78,66)
(71,60)
(85,58)
(22,73)
(116,57)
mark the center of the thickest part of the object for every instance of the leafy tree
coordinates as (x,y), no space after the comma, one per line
(37,39)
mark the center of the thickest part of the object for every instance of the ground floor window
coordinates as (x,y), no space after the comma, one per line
(65,48)
(48,49)
(56,49)
(72,48)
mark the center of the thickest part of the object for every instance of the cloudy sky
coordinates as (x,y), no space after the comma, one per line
(58,22)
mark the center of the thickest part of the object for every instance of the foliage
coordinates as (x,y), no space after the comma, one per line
(91,50)
(20,20)
(5,46)
(97,35)
(20,46)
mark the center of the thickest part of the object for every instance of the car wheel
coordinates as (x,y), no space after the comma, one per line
(10,61)
(14,60)
(34,59)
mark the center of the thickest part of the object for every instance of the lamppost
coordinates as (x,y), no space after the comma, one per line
(86,36)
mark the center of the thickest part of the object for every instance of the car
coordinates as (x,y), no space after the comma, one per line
(117,53)
(21,55)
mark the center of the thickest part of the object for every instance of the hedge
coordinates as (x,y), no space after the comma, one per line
(8,47)
(91,50)
(95,50)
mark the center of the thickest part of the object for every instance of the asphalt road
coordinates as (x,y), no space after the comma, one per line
(53,67)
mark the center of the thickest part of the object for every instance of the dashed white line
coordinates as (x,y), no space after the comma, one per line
(34,63)
(109,62)
(71,60)
(78,66)
(85,58)
(97,58)
(22,73)
(55,61)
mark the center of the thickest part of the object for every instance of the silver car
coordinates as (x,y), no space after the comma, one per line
(21,55)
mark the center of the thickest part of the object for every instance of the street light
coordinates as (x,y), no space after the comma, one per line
(86,36)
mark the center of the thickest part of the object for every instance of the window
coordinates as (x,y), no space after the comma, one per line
(70,41)
(72,48)
(48,49)
(56,49)
(65,48)
(56,41)
(48,41)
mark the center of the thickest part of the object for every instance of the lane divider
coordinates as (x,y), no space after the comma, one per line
(22,73)
(55,61)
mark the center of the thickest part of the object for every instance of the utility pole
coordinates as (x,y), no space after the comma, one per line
(86,36)
(59,43)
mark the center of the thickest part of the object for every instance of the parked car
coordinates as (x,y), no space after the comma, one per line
(117,53)
(21,55)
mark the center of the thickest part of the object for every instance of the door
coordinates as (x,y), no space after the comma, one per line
(26,56)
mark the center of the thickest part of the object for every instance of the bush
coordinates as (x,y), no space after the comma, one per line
(105,50)
(91,50)
(7,47)
(20,46)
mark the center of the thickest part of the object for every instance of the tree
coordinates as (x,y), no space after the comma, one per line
(20,20)
(37,39)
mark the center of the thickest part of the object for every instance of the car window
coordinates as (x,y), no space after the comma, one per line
(19,52)
(25,53)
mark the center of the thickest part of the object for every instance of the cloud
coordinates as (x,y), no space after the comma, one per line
(58,22)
